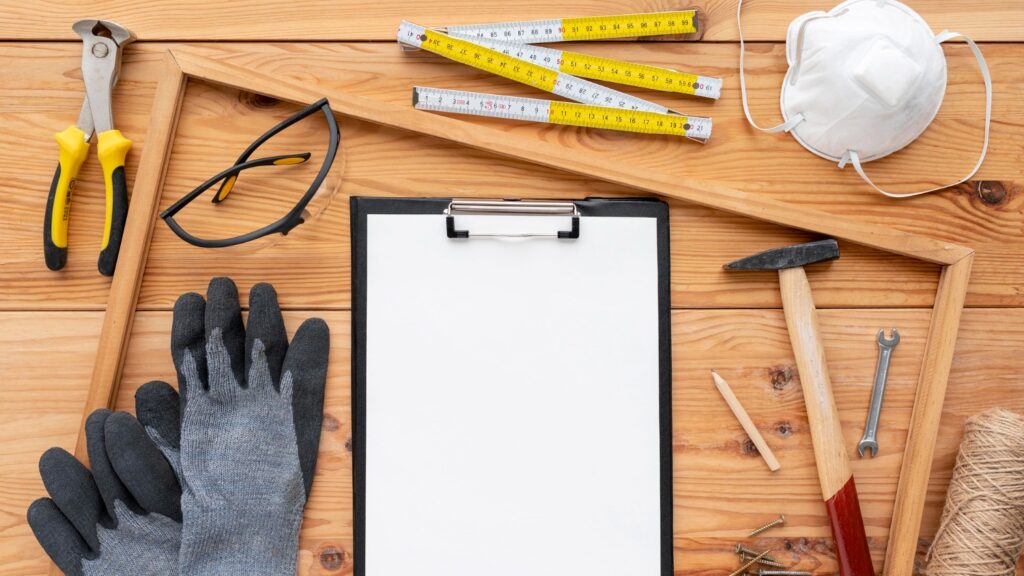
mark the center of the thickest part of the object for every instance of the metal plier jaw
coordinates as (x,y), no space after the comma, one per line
(103,46)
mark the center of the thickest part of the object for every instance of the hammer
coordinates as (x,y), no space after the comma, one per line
(834,473)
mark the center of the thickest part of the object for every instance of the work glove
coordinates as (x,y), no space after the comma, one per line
(122,518)
(252,406)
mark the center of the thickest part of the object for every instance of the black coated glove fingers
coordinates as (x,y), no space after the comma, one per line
(266,325)
(188,333)
(224,313)
(306,365)
(59,539)
(74,496)
(110,486)
(157,406)
(141,467)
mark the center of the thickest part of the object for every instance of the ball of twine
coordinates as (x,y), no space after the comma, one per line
(982,528)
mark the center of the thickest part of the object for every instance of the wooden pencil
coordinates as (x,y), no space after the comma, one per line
(745,421)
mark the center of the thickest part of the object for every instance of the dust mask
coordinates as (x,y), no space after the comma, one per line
(865,79)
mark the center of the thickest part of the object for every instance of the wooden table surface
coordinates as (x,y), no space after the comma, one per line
(49,322)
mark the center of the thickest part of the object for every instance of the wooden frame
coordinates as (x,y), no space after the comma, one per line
(181,65)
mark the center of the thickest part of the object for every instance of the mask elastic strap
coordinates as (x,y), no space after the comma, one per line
(852,157)
(785,126)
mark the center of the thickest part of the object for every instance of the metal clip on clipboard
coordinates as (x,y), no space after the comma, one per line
(512,208)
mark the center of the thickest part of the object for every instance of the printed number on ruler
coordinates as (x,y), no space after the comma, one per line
(566,113)
(484,58)
(592,28)
(606,69)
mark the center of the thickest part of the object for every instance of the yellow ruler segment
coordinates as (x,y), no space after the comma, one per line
(573,114)
(628,73)
(492,61)
(629,25)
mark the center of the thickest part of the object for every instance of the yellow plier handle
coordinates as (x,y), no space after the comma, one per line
(112,148)
(73,150)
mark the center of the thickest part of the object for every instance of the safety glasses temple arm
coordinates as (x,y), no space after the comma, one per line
(280,127)
(230,174)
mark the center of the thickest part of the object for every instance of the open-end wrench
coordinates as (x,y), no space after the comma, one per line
(885,347)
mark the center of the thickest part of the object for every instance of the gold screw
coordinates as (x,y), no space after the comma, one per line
(749,563)
(778,521)
(766,561)
(746,553)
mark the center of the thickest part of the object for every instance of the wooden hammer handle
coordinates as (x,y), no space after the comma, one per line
(830,456)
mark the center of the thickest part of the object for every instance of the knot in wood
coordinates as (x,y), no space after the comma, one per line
(781,376)
(332,558)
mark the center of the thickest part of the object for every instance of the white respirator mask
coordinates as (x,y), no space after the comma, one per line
(865,79)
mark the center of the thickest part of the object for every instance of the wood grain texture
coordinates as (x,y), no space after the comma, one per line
(746,422)
(267,20)
(608,168)
(852,553)
(44,373)
(846,520)
(131,262)
(219,123)
(722,489)
(831,458)
(830,454)
(931,395)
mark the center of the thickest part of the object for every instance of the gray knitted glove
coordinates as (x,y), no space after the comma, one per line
(121,519)
(250,430)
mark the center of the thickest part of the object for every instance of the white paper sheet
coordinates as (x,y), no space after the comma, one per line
(512,401)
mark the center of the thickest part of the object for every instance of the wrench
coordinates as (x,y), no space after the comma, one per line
(885,348)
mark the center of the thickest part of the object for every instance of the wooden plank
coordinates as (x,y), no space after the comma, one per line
(265,20)
(44,368)
(722,488)
(384,162)
(928,406)
(131,262)
(609,169)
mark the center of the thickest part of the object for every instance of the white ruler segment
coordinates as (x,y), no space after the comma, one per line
(480,104)
(526,31)
(551,112)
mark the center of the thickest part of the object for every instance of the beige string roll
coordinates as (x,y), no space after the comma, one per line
(982,528)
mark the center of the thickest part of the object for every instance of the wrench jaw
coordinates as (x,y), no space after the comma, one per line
(889,342)
(867,446)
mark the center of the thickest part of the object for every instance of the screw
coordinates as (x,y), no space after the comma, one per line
(749,563)
(99,50)
(763,572)
(778,521)
(747,552)
(766,561)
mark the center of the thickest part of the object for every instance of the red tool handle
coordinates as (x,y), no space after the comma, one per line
(830,456)
(852,550)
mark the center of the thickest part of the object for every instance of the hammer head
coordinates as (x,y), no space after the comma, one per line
(793,256)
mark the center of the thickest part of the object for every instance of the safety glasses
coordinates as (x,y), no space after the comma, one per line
(320,190)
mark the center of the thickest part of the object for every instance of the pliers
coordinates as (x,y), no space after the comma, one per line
(104,42)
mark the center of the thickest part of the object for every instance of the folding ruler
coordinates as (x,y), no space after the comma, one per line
(503,49)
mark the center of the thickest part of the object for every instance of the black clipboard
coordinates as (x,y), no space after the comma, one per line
(362,208)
